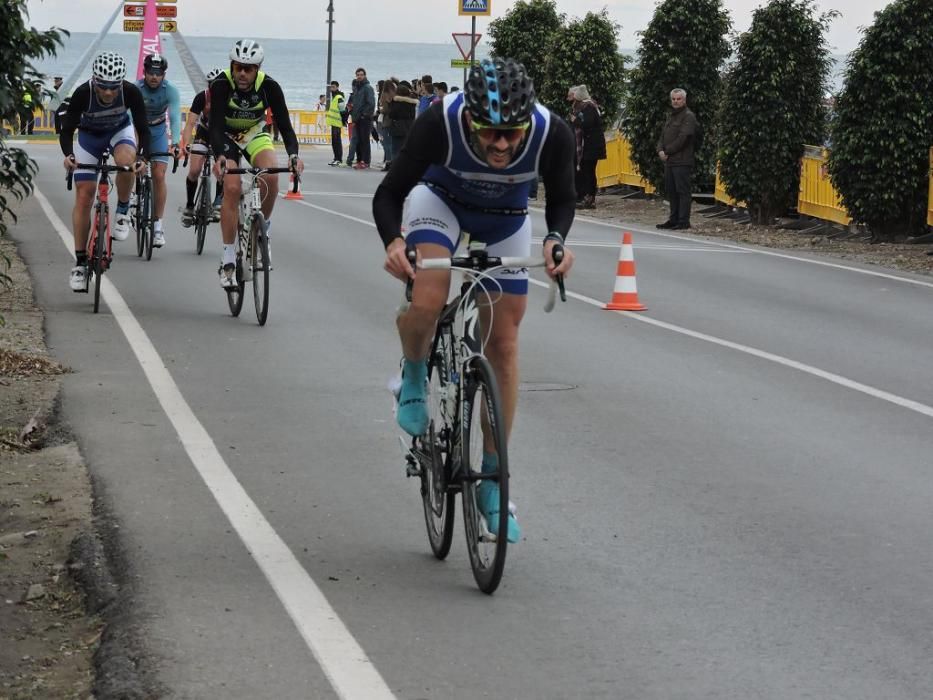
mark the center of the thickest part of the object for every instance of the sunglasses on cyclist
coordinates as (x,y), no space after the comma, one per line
(107,85)
(155,71)
(512,134)
(244,68)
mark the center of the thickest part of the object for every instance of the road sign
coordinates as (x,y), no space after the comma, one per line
(162,11)
(474,7)
(463,42)
(136,25)
(460,63)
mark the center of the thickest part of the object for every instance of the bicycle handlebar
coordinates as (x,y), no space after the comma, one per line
(479,261)
(173,155)
(263,171)
(97,167)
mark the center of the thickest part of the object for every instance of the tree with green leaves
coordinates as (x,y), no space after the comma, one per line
(586,52)
(19,44)
(883,124)
(773,105)
(526,33)
(683,46)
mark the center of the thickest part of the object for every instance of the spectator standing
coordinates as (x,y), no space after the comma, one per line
(336,115)
(440,92)
(426,93)
(586,119)
(389,90)
(675,148)
(364,108)
(401,116)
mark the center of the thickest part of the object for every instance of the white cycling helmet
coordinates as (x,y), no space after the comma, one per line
(213,73)
(109,67)
(247,52)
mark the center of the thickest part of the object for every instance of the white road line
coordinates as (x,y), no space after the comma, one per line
(764,355)
(343,661)
(778,359)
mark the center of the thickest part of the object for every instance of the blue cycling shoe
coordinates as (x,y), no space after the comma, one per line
(412,411)
(487,500)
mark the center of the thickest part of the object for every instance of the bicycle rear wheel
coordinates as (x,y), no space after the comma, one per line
(202,213)
(482,409)
(434,449)
(137,221)
(262,266)
(98,254)
(235,294)
(145,204)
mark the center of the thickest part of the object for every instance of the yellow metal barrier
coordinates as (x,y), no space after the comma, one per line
(43,123)
(618,168)
(818,197)
(723,197)
(930,198)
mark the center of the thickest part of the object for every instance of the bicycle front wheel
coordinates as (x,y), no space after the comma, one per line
(435,451)
(98,254)
(262,266)
(203,213)
(484,494)
(137,221)
(144,199)
(235,294)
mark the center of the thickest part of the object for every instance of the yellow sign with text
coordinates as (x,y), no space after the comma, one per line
(474,8)
(136,25)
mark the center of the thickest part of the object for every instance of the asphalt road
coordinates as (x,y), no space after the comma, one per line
(725,496)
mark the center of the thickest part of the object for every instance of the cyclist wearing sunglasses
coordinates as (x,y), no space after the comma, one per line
(100,111)
(468,165)
(239,100)
(160,97)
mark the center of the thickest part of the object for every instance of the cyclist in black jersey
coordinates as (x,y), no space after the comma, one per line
(239,99)
(103,111)
(467,165)
(196,139)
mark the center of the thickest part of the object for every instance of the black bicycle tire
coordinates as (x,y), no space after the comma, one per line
(201,213)
(97,254)
(235,294)
(137,222)
(259,244)
(436,491)
(479,373)
(147,216)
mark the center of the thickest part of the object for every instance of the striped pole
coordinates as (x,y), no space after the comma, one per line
(625,293)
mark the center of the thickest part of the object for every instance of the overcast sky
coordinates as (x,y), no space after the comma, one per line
(429,21)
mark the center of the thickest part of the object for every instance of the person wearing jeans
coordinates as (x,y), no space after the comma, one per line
(364,107)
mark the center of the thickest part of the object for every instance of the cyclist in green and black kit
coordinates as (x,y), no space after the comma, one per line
(239,99)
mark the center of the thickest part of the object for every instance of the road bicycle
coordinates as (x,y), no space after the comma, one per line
(203,206)
(141,211)
(100,242)
(252,243)
(464,407)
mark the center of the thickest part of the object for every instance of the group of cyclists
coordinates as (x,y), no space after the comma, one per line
(132,120)
(468,164)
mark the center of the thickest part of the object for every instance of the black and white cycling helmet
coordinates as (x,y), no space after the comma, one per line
(109,67)
(247,52)
(499,92)
(155,63)
(213,73)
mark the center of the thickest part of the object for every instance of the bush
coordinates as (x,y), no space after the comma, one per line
(18,45)
(883,123)
(773,105)
(525,33)
(683,46)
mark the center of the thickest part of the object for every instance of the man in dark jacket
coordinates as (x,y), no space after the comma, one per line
(364,107)
(587,122)
(675,148)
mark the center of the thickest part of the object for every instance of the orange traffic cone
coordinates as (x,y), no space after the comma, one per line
(625,293)
(292,192)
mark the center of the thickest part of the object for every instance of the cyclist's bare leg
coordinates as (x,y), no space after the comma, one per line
(502,352)
(428,296)
(195,163)
(159,189)
(270,192)
(124,154)
(81,214)
(229,212)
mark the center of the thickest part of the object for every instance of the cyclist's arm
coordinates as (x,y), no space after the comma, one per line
(426,144)
(557,160)
(220,96)
(174,114)
(194,113)
(137,106)
(280,117)
(72,117)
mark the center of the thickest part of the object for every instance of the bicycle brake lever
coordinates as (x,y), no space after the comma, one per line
(412,256)
(558,254)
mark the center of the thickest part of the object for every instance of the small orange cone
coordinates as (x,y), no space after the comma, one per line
(625,293)
(291,194)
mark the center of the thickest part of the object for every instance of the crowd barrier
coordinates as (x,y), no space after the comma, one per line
(930,196)
(721,196)
(618,168)
(818,198)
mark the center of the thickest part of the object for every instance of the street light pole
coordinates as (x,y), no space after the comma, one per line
(330,39)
